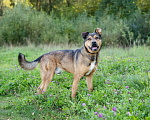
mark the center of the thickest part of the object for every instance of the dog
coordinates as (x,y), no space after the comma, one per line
(80,62)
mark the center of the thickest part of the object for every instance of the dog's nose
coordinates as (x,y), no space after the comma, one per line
(94,43)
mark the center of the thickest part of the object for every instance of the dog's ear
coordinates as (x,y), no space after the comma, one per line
(85,34)
(98,31)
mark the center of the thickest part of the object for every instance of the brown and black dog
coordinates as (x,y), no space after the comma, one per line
(80,62)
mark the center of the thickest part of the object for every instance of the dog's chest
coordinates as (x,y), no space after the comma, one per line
(91,67)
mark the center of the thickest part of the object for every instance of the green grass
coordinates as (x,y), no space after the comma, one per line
(121,81)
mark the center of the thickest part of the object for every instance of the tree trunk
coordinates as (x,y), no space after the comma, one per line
(68,3)
(38,5)
(49,6)
(1,7)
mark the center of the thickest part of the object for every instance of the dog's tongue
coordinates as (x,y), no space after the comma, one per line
(94,48)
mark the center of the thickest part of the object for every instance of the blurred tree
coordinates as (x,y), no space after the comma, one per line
(71,8)
(67,8)
(5,4)
(144,5)
(46,5)
(124,8)
(12,3)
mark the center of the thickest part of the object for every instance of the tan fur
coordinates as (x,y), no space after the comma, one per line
(80,62)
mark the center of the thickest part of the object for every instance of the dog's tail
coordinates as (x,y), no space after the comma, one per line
(27,65)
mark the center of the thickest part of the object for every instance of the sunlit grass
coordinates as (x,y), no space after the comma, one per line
(121,87)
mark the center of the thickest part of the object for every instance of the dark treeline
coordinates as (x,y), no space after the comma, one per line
(123,22)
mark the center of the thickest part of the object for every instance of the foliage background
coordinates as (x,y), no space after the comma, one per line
(123,22)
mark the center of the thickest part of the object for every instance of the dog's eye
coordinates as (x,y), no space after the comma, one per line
(96,38)
(89,38)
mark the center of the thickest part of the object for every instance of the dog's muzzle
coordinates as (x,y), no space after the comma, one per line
(94,47)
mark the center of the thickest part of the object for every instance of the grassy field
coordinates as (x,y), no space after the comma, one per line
(121,87)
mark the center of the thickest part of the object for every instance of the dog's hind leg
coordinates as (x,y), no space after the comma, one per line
(48,80)
(46,76)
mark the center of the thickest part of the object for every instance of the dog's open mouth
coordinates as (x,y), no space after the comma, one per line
(94,48)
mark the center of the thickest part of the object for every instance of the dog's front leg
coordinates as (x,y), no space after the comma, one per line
(75,85)
(89,80)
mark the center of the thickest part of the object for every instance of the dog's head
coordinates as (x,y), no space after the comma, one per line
(92,41)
